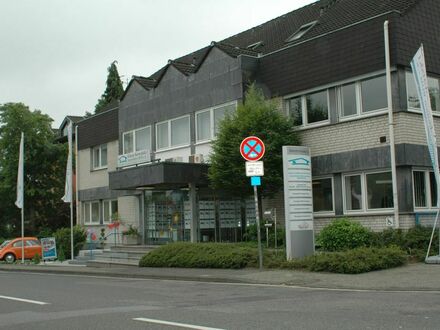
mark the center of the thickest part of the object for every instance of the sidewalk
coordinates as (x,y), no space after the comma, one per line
(413,277)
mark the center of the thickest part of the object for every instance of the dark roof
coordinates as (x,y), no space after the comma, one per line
(75,119)
(330,15)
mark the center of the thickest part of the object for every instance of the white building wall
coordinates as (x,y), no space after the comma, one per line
(128,207)
(89,178)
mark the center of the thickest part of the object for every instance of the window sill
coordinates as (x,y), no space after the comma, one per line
(323,214)
(419,111)
(314,125)
(374,113)
(97,169)
(370,212)
(92,224)
(199,143)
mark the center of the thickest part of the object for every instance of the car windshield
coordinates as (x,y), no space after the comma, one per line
(4,244)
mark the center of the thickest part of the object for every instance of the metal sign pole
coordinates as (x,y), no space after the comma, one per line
(257,219)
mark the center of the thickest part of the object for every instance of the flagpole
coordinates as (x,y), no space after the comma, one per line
(22,203)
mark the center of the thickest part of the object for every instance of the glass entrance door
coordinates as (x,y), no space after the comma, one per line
(165,216)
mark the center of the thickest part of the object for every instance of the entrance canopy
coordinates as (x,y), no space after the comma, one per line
(159,175)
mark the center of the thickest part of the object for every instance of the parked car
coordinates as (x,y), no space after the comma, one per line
(11,250)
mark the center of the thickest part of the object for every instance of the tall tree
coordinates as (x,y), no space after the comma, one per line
(258,117)
(113,90)
(44,169)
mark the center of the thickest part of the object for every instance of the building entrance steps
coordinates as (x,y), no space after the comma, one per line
(123,255)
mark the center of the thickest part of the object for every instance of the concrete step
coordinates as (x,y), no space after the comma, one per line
(106,263)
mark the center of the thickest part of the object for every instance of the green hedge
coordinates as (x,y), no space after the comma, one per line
(360,260)
(200,255)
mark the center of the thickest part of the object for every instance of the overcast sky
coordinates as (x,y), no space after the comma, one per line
(54,53)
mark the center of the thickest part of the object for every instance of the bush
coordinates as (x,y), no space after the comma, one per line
(200,255)
(359,260)
(415,241)
(343,234)
(44,233)
(62,237)
(36,259)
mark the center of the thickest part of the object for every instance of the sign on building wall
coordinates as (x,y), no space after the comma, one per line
(134,158)
(298,201)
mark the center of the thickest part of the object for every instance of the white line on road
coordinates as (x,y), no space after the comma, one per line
(25,300)
(181,325)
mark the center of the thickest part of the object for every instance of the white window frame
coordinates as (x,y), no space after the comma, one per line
(134,138)
(416,110)
(91,222)
(211,120)
(359,104)
(170,147)
(305,119)
(426,175)
(364,193)
(99,147)
(325,213)
(109,201)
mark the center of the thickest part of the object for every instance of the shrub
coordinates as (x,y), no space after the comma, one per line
(44,233)
(343,234)
(359,260)
(200,255)
(62,237)
(36,259)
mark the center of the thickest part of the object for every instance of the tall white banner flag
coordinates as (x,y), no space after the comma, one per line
(421,78)
(20,176)
(67,198)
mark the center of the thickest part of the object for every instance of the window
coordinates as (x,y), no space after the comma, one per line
(208,121)
(363,97)
(91,212)
(413,97)
(137,140)
(99,155)
(203,120)
(317,107)
(322,195)
(349,100)
(368,191)
(173,133)
(180,131)
(309,109)
(374,94)
(301,31)
(424,189)
(109,207)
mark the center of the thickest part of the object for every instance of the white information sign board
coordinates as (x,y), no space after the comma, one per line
(255,168)
(298,201)
(134,158)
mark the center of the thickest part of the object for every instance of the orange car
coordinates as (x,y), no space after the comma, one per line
(11,250)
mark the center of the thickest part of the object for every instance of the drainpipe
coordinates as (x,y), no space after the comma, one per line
(391,125)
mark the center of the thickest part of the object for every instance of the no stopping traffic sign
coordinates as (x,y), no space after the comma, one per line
(252,148)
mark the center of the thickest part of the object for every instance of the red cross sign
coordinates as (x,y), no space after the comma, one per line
(252,148)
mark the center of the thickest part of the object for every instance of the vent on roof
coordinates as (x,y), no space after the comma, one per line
(255,45)
(301,31)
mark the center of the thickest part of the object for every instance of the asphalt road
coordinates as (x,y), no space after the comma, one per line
(81,302)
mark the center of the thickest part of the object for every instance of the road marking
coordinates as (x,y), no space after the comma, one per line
(180,325)
(25,300)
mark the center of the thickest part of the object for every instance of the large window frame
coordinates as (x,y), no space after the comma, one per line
(364,194)
(428,176)
(112,207)
(360,112)
(134,138)
(304,110)
(212,123)
(87,213)
(325,212)
(431,80)
(168,124)
(98,163)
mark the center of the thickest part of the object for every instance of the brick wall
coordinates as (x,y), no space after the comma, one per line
(346,136)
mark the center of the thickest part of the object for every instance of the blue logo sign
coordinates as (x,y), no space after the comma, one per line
(299,161)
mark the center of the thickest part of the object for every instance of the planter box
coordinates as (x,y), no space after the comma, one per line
(130,240)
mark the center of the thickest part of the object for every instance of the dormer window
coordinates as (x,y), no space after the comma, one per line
(255,45)
(301,31)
